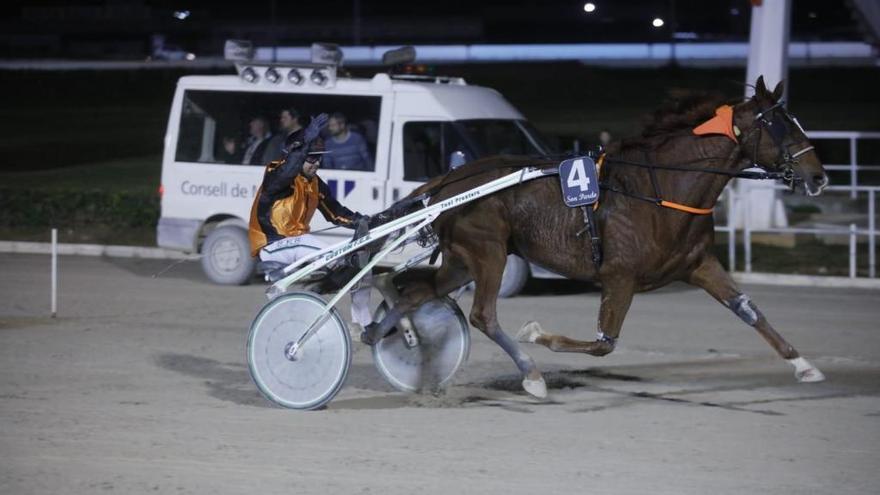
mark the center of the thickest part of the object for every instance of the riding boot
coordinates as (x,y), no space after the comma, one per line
(343,272)
(376,331)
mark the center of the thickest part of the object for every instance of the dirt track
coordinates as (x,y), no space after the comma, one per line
(140,385)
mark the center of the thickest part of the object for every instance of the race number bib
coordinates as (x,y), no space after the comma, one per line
(580,182)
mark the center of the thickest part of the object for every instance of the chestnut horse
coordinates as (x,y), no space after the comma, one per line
(646,245)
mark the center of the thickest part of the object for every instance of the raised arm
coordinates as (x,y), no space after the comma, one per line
(281,175)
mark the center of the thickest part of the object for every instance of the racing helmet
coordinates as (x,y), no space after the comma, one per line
(295,141)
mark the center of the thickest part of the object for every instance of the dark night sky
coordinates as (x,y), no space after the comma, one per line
(125,29)
(487,21)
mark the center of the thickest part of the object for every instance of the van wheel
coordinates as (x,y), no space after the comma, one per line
(226,257)
(516,274)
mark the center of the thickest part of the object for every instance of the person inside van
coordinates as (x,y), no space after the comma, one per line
(230,152)
(288,122)
(290,194)
(258,142)
(349,147)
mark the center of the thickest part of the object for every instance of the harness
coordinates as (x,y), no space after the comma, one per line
(722,123)
(774,119)
(657,198)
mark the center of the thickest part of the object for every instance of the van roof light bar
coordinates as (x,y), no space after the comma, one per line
(399,56)
(326,54)
(238,50)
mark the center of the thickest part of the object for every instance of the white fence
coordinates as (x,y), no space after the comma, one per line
(852,231)
(853,166)
(730,199)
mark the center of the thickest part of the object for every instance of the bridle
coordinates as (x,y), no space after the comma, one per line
(776,120)
(773,119)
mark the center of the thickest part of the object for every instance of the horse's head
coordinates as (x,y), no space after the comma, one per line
(775,141)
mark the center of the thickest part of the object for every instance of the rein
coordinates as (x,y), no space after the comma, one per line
(737,175)
(658,200)
(777,129)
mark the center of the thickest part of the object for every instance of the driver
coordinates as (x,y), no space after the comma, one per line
(290,193)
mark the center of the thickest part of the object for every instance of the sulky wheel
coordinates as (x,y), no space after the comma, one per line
(442,348)
(312,376)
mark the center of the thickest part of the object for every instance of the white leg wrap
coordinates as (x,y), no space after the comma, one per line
(805,372)
(530,332)
(537,388)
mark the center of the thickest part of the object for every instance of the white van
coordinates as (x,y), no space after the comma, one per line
(413,127)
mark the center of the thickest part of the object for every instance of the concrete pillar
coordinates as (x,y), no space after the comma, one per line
(768,56)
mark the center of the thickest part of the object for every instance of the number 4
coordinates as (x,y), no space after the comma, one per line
(577,177)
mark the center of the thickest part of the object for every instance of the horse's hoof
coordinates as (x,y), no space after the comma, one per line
(810,376)
(368,335)
(536,388)
(806,372)
(530,332)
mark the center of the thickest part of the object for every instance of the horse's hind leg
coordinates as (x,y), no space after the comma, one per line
(712,278)
(448,277)
(616,298)
(487,273)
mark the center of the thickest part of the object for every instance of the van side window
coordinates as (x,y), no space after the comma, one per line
(422,150)
(250,128)
(496,137)
(430,148)
(192,121)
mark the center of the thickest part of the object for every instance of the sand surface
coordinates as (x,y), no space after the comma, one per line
(141,386)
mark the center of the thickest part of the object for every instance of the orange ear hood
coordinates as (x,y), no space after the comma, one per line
(721,123)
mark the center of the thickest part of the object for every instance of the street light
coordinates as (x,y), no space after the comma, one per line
(589,7)
(657,22)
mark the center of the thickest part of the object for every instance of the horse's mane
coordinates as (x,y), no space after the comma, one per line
(682,110)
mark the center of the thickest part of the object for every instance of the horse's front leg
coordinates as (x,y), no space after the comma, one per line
(712,278)
(616,298)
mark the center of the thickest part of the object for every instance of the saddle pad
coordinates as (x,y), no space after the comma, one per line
(579,180)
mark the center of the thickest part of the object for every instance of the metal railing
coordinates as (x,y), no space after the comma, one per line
(852,231)
(853,166)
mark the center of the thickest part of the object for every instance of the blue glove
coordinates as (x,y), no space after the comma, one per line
(315,126)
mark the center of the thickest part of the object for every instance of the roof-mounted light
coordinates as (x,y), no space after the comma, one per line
(326,53)
(295,77)
(250,75)
(272,75)
(318,77)
(400,56)
(238,50)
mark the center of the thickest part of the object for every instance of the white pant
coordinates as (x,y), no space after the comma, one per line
(291,249)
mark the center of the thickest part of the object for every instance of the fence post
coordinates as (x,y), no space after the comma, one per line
(731,229)
(853,167)
(872,242)
(54,299)
(747,233)
(852,250)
